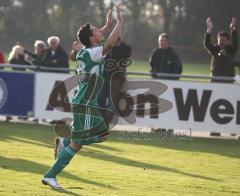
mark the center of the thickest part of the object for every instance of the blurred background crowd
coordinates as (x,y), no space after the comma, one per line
(25,21)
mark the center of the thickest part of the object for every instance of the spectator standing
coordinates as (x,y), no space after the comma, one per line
(222,62)
(17,57)
(114,76)
(56,56)
(39,54)
(164,59)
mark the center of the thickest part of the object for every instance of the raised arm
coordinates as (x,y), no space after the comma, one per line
(109,22)
(234,35)
(207,39)
(30,53)
(113,38)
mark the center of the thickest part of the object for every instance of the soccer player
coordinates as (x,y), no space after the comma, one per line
(88,125)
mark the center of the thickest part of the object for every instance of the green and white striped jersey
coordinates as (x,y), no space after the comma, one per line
(90,66)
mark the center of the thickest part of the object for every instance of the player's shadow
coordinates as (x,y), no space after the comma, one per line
(44,136)
(66,192)
(41,135)
(132,163)
(32,142)
(223,147)
(36,135)
(22,165)
(104,147)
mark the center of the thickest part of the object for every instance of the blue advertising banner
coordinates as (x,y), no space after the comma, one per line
(16,93)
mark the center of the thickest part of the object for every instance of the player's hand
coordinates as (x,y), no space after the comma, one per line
(209,25)
(119,15)
(109,18)
(233,23)
(76,46)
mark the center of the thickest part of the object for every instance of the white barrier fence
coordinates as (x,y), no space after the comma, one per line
(168,103)
(150,103)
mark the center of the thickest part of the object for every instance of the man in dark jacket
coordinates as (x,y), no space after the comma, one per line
(39,55)
(222,62)
(164,59)
(115,73)
(56,56)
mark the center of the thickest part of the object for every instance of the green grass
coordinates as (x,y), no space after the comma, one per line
(118,167)
(188,69)
(143,66)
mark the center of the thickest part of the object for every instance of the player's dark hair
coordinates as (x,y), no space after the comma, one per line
(223,34)
(84,34)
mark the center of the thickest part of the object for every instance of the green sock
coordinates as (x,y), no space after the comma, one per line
(61,162)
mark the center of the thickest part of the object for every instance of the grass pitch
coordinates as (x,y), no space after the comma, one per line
(188,68)
(180,166)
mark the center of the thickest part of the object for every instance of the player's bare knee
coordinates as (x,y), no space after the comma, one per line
(75,147)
